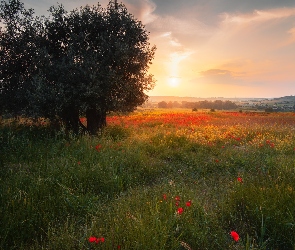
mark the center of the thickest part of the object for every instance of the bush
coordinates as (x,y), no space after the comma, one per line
(269,110)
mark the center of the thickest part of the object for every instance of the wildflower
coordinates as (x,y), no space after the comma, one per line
(79,162)
(239,179)
(188,203)
(92,239)
(177,198)
(164,196)
(235,235)
(171,183)
(180,210)
(98,147)
(185,245)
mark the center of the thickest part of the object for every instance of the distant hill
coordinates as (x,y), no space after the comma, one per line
(156,99)
(290,98)
(285,103)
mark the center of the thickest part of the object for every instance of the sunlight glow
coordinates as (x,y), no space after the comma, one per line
(173,82)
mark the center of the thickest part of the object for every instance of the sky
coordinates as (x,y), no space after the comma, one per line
(213,48)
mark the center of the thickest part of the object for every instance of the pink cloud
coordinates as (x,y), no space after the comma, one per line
(142,10)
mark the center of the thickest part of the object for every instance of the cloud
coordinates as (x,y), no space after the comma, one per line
(257,16)
(171,40)
(142,10)
(291,39)
(222,76)
(216,72)
(180,55)
(180,26)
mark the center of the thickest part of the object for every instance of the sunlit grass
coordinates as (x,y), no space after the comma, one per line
(127,185)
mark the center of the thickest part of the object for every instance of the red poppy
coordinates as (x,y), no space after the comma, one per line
(98,147)
(180,210)
(235,235)
(177,198)
(92,239)
(188,203)
(239,179)
(96,240)
(164,196)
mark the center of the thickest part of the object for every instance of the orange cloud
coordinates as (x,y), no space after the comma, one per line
(258,16)
(216,72)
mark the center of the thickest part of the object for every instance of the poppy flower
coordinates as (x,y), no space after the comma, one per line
(188,203)
(98,147)
(235,235)
(239,179)
(92,239)
(177,198)
(180,210)
(164,196)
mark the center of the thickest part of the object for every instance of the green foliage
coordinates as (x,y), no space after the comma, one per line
(117,132)
(268,110)
(264,209)
(89,61)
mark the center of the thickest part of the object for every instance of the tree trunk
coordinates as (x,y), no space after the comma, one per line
(70,116)
(96,120)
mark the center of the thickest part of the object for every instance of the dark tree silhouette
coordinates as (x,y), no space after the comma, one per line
(89,61)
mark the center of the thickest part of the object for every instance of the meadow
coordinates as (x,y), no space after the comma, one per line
(151,180)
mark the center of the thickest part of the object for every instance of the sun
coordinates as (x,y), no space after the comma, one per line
(173,81)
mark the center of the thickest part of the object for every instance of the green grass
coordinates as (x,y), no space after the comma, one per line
(56,191)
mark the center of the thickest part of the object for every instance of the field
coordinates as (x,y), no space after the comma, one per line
(151,180)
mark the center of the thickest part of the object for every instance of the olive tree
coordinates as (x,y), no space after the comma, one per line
(89,61)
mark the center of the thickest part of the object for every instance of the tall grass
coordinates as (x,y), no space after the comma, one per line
(151,181)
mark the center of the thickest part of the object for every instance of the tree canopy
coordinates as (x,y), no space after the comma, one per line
(89,61)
